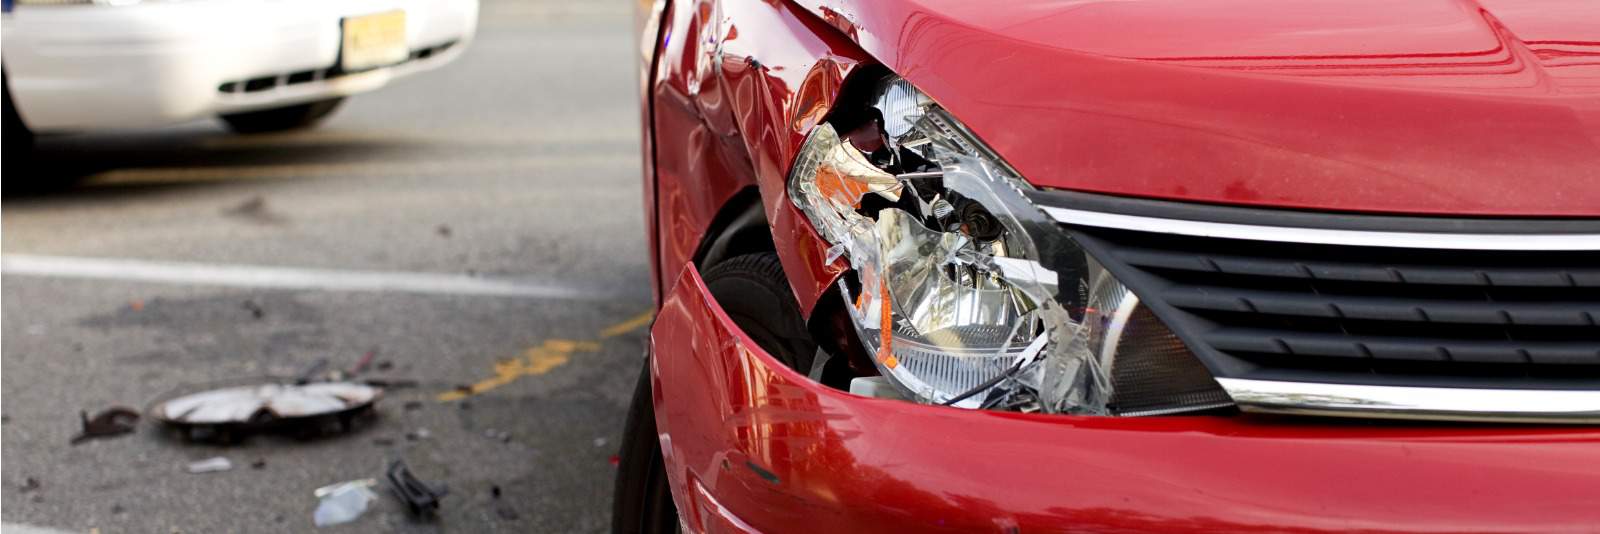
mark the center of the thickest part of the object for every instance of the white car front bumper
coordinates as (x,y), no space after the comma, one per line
(77,67)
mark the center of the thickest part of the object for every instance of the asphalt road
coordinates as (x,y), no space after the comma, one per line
(497,199)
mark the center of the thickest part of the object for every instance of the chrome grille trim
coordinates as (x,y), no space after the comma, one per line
(1325,236)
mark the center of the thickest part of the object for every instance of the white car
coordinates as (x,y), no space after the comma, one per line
(260,65)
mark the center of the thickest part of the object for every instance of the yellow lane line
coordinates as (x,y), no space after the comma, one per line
(542,359)
(627,326)
(533,362)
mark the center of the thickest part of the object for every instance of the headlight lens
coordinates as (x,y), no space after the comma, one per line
(968,294)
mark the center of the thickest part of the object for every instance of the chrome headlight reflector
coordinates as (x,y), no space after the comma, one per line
(968,294)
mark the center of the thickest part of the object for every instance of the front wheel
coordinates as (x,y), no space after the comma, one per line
(642,502)
(281,119)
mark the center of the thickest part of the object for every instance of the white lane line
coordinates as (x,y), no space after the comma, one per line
(470,137)
(359,168)
(255,276)
(18,528)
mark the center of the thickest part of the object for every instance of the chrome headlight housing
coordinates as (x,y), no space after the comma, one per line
(968,294)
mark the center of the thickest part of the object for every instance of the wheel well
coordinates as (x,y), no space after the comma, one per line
(740,227)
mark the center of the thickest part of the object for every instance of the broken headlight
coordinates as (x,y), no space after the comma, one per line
(967,294)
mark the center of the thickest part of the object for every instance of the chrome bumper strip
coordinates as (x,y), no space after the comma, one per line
(1394,402)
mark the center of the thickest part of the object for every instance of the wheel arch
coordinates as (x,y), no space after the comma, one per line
(740,227)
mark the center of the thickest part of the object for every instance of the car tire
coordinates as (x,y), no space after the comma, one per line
(642,500)
(281,119)
(18,139)
(755,294)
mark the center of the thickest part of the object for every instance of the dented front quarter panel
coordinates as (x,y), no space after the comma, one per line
(751,445)
(785,69)
(737,88)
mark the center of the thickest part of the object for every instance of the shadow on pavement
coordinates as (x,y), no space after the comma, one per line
(76,164)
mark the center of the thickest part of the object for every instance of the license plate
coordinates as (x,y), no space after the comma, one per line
(374,40)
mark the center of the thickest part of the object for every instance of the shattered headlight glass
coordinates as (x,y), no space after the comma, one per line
(968,294)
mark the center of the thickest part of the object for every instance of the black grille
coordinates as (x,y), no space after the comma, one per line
(263,83)
(1369,315)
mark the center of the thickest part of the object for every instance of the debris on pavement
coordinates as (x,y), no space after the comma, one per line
(210,465)
(255,309)
(111,422)
(29,484)
(443,230)
(420,498)
(226,412)
(343,502)
(361,364)
(498,435)
(259,463)
(599,442)
(255,209)
(391,383)
(418,434)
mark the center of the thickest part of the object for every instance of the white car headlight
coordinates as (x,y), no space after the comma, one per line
(968,294)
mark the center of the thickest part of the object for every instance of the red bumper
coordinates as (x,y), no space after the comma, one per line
(751,445)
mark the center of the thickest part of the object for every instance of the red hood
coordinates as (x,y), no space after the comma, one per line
(1468,107)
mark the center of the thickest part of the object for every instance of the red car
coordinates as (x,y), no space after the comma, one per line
(1120,265)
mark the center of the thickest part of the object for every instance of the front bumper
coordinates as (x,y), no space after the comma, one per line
(752,446)
(89,67)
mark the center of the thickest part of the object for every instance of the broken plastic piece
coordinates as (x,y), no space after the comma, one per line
(114,421)
(834,253)
(29,484)
(210,465)
(874,386)
(420,498)
(343,502)
(361,364)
